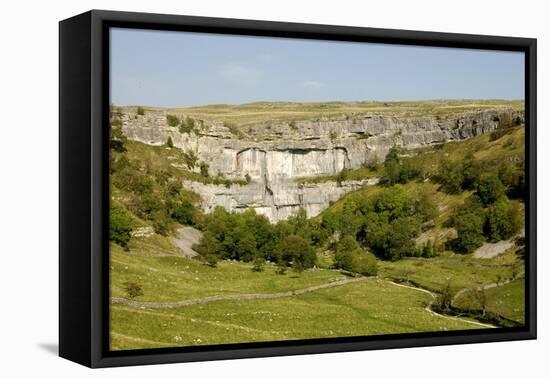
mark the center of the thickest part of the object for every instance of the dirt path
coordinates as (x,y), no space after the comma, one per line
(428,307)
(238,297)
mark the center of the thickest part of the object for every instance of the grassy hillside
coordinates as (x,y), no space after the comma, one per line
(413,212)
(367,308)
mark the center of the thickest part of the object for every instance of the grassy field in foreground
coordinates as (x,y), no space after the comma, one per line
(507,300)
(367,308)
(171,279)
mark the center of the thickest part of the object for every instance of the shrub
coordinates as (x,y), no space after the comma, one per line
(211,260)
(172,120)
(203,166)
(469,227)
(140,111)
(294,250)
(258,264)
(117,140)
(247,178)
(489,189)
(187,125)
(344,255)
(190,158)
(365,264)
(133,290)
(333,136)
(503,220)
(451,176)
(183,212)
(120,225)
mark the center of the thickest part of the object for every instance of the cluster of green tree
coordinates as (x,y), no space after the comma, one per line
(487,215)
(349,256)
(387,223)
(151,195)
(248,237)
(399,170)
(456,176)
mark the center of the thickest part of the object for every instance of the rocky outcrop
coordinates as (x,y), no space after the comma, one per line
(272,155)
(276,200)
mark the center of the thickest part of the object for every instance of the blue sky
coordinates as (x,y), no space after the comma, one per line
(173,69)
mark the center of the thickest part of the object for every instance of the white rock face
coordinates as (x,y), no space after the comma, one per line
(278,201)
(275,154)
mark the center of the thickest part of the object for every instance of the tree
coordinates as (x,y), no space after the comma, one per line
(117,141)
(208,245)
(503,220)
(489,189)
(183,212)
(445,298)
(344,254)
(295,251)
(120,225)
(140,111)
(469,227)
(480,297)
(451,176)
(365,264)
(169,142)
(392,167)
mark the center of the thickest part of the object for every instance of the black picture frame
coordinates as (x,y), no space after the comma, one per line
(83,181)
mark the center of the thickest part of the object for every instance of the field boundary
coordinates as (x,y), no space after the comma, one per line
(237,297)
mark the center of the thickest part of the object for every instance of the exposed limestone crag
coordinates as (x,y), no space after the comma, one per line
(274,154)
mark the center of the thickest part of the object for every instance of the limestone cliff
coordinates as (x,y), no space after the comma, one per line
(273,154)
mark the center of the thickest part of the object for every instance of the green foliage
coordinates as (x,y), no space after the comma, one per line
(190,158)
(344,254)
(295,251)
(117,138)
(451,176)
(120,225)
(365,264)
(172,120)
(469,227)
(203,166)
(490,189)
(140,111)
(333,135)
(169,142)
(398,170)
(187,125)
(503,220)
(258,264)
(133,290)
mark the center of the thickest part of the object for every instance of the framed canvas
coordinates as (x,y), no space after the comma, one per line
(235,188)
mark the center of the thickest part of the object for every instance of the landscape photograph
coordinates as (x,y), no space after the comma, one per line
(273,189)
